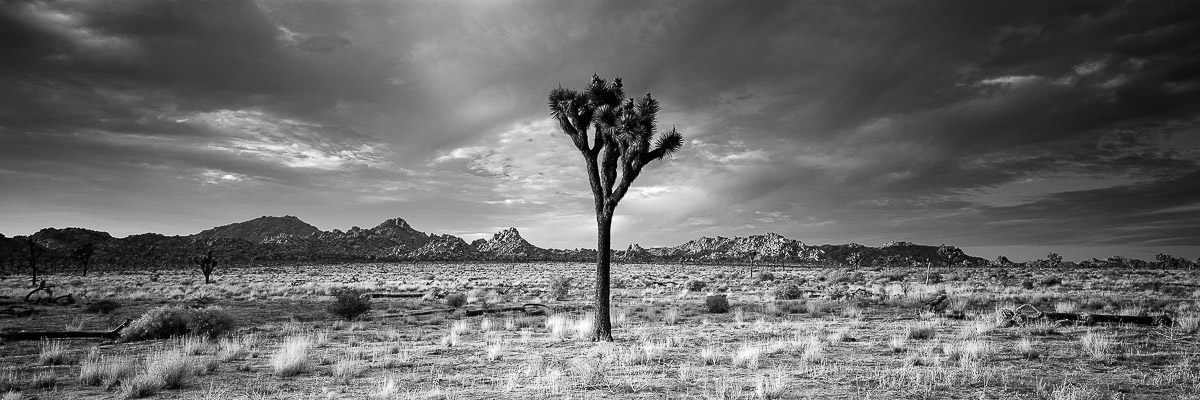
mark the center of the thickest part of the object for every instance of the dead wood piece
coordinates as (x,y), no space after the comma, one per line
(933,304)
(41,288)
(395,295)
(531,309)
(113,334)
(19,311)
(1028,312)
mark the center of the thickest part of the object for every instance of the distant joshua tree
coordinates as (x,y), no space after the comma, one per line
(83,255)
(35,252)
(207,264)
(621,146)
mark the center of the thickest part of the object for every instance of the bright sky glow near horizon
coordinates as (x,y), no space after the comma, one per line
(999,127)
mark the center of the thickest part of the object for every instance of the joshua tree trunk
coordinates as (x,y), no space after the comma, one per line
(603,325)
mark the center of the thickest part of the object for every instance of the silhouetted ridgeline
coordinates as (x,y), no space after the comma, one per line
(288,239)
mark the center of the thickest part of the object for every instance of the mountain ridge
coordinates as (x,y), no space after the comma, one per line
(289,239)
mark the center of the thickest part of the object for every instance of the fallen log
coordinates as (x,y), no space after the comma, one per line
(395,295)
(18,311)
(1028,312)
(531,309)
(113,334)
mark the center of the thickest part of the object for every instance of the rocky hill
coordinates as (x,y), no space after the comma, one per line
(258,229)
(288,239)
(508,244)
(770,247)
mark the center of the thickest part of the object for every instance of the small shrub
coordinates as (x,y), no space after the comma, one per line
(210,322)
(1051,281)
(717,304)
(105,306)
(349,303)
(456,300)
(158,323)
(1027,284)
(763,276)
(559,287)
(787,291)
(166,321)
(695,285)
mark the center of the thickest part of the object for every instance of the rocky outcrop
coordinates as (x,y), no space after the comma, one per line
(508,243)
(445,247)
(769,247)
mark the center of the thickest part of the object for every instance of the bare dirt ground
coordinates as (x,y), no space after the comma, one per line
(878,344)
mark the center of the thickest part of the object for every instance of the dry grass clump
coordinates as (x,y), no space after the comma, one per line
(1066,307)
(921,331)
(54,352)
(814,350)
(1040,327)
(969,352)
(347,368)
(292,357)
(235,348)
(495,350)
(747,356)
(164,370)
(770,387)
(1188,323)
(710,354)
(898,343)
(1098,346)
(591,371)
(975,329)
(1025,349)
(558,325)
(671,316)
(585,327)
(107,371)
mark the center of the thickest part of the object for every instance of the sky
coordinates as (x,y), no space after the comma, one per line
(1014,128)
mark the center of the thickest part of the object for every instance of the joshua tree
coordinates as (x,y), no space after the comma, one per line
(83,255)
(614,157)
(35,251)
(207,264)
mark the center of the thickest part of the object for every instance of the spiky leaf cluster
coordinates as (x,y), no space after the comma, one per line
(626,136)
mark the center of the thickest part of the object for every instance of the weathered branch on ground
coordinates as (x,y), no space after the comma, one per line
(41,288)
(395,295)
(1028,312)
(113,334)
(531,309)
(19,311)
